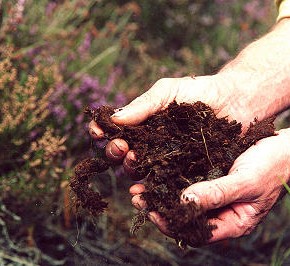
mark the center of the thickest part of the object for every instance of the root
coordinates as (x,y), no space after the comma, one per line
(138,221)
(206,149)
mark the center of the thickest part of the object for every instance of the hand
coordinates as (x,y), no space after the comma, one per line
(245,195)
(208,89)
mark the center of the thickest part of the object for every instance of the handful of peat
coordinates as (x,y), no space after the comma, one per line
(175,148)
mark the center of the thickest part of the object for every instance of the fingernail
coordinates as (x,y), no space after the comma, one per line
(130,170)
(120,112)
(92,132)
(116,151)
(190,197)
(96,134)
(152,218)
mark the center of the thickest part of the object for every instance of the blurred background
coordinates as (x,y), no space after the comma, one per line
(57,57)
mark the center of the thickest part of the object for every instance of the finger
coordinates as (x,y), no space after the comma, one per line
(95,131)
(136,189)
(160,222)
(234,222)
(156,98)
(217,193)
(128,164)
(117,149)
(154,217)
(138,202)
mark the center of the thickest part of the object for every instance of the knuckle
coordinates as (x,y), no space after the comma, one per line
(147,96)
(245,229)
(163,82)
(244,226)
(215,196)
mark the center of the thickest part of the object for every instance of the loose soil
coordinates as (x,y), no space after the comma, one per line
(175,148)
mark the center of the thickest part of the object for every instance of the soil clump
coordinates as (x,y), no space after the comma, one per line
(175,148)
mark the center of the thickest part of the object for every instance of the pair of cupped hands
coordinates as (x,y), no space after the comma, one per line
(254,182)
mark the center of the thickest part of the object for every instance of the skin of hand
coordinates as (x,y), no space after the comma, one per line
(245,195)
(255,84)
(187,89)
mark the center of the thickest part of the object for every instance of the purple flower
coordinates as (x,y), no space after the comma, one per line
(86,44)
(79,118)
(60,90)
(256,10)
(50,8)
(59,112)
(77,103)
(33,134)
(112,79)
(89,82)
(120,99)
(33,52)
(67,103)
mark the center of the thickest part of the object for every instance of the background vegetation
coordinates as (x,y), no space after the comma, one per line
(56,57)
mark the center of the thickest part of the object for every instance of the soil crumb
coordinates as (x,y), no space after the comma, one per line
(175,148)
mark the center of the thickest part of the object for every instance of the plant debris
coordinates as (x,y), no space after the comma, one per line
(175,148)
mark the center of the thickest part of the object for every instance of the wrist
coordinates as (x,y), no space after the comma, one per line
(258,78)
(240,96)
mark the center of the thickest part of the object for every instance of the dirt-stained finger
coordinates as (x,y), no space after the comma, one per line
(138,203)
(95,131)
(148,103)
(160,222)
(117,149)
(239,220)
(128,165)
(136,189)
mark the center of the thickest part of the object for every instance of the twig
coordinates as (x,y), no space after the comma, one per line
(206,147)
(15,259)
(6,211)
(185,179)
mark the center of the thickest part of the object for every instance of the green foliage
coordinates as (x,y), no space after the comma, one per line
(281,253)
(181,37)
(286,187)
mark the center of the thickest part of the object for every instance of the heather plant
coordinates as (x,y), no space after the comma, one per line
(31,150)
(67,104)
(83,43)
(31,158)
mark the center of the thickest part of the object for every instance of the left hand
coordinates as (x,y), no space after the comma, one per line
(245,195)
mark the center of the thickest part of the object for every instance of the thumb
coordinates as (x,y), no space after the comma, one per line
(156,98)
(216,193)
